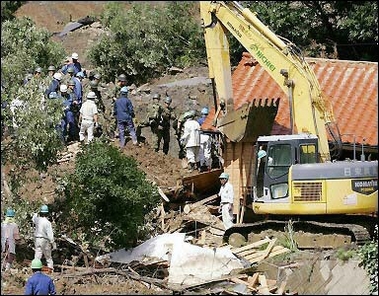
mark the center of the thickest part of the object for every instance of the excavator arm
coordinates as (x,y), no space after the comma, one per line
(309,109)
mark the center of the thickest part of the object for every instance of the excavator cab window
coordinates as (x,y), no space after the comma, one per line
(278,160)
(308,153)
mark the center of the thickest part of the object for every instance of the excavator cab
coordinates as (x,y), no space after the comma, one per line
(275,155)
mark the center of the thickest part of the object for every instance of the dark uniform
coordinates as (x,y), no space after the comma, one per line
(168,115)
(113,94)
(155,121)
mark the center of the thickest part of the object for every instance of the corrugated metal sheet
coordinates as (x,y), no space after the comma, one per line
(352,87)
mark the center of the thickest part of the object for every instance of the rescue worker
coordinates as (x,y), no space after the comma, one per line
(226,194)
(124,113)
(100,108)
(191,140)
(54,84)
(113,95)
(94,86)
(59,127)
(73,63)
(88,118)
(39,283)
(204,114)
(69,128)
(68,76)
(27,78)
(154,121)
(168,115)
(205,152)
(10,236)
(179,132)
(44,236)
(79,86)
(50,71)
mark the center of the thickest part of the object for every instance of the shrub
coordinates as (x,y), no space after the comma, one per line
(107,197)
(368,255)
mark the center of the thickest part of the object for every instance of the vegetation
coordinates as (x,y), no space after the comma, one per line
(24,47)
(368,255)
(345,30)
(107,196)
(8,8)
(144,42)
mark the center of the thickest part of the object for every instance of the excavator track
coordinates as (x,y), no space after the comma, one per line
(307,234)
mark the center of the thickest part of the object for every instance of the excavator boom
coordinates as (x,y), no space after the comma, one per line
(280,58)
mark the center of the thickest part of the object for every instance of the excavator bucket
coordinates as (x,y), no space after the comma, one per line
(249,121)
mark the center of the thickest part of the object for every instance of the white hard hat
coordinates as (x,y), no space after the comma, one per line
(57,76)
(91,95)
(75,56)
(63,88)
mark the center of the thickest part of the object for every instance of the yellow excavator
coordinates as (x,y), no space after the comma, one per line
(294,177)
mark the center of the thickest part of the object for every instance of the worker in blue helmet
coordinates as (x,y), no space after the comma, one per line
(10,236)
(44,236)
(204,114)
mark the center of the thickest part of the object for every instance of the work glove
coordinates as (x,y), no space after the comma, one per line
(54,246)
(96,124)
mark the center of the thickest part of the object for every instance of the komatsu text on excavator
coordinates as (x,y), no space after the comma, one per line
(295,176)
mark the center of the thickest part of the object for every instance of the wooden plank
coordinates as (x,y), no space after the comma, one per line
(280,250)
(263,289)
(253,279)
(163,195)
(163,214)
(269,248)
(260,253)
(282,288)
(252,245)
(189,207)
(239,281)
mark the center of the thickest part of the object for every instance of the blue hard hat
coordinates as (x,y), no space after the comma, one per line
(80,74)
(44,209)
(261,154)
(205,111)
(10,212)
(124,89)
(224,176)
(53,95)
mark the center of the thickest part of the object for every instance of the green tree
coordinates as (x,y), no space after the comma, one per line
(144,42)
(8,8)
(329,29)
(35,143)
(107,196)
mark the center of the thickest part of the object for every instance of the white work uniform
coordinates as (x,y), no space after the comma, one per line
(191,138)
(88,111)
(205,155)
(227,198)
(44,239)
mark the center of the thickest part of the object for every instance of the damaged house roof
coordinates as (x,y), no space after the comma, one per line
(352,87)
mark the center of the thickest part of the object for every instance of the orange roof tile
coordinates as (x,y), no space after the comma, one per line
(352,87)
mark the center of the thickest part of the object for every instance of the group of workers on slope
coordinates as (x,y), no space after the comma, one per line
(85,114)
(44,243)
(194,144)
